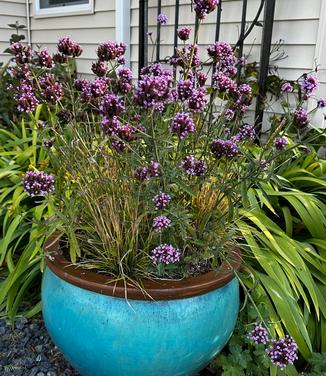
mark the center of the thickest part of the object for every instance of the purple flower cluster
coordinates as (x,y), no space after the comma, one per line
(184,33)
(161,200)
(280,143)
(68,47)
(48,143)
(162,19)
(229,114)
(321,102)
(153,89)
(201,78)
(52,91)
(258,335)
(110,125)
(148,172)
(125,133)
(182,125)
(301,118)
(223,83)
(198,100)
(309,84)
(91,90)
(99,68)
(283,352)
(246,132)
(45,59)
(165,254)
(110,50)
(184,89)
(22,52)
(111,105)
(286,88)
(25,98)
(193,166)
(224,148)
(219,51)
(204,7)
(161,223)
(38,183)
(125,79)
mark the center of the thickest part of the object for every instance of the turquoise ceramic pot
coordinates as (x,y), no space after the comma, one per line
(103,335)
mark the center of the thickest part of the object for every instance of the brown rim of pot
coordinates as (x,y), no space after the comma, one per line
(151,289)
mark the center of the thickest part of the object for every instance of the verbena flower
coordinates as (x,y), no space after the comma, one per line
(280,143)
(99,68)
(148,172)
(125,79)
(286,88)
(52,91)
(245,89)
(219,51)
(161,223)
(111,105)
(201,78)
(309,84)
(321,102)
(184,89)
(283,352)
(223,83)
(193,166)
(229,114)
(246,132)
(38,183)
(45,59)
(198,100)
(94,89)
(110,125)
(110,50)
(22,52)
(184,33)
(165,254)
(259,335)
(182,125)
(161,200)
(301,118)
(204,7)
(25,98)
(224,148)
(48,143)
(69,47)
(162,19)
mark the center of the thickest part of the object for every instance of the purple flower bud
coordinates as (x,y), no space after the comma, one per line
(165,254)
(224,148)
(309,84)
(22,52)
(99,68)
(184,89)
(68,47)
(283,352)
(184,33)
(193,166)
(201,78)
(321,103)
(204,7)
(280,143)
(111,105)
(182,125)
(45,59)
(52,91)
(110,50)
(110,125)
(229,114)
(48,143)
(25,98)
(223,83)
(287,88)
(247,132)
(258,335)
(161,223)
(38,183)
(198,100)
(162,19)
(301,118)
(161,200)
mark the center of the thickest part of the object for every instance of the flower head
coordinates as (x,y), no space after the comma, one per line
(224,148)
(193,166)
(184,33)
(283,352)
(246,132)
(309,84)
(198,100)
(204,7)
(38,183)
(182,125)
(148,172)
(280,143)
(286,88)
(52,91)
(223,83)
(68,47)
(161,223)
(321,103)
(184,89)
(201,78)
(22,52)
(25,98)
(45,59)
(110,50)
(258,335)
(162,19)
(161,200)
(301,118)
(111,105)
(165,254)
(99,68)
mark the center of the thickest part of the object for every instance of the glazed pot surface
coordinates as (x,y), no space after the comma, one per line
(110,336)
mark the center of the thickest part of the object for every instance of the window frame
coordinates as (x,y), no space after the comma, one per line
(60,11)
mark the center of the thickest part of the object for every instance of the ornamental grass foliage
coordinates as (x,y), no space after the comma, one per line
(148,174)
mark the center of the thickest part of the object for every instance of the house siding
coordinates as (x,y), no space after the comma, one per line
(87,29)
(10,12)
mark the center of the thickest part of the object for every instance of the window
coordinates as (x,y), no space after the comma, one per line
(48,8)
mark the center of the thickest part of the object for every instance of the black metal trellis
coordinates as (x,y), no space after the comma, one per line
(245,30)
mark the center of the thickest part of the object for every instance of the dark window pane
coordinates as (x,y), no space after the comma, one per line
(60,3)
